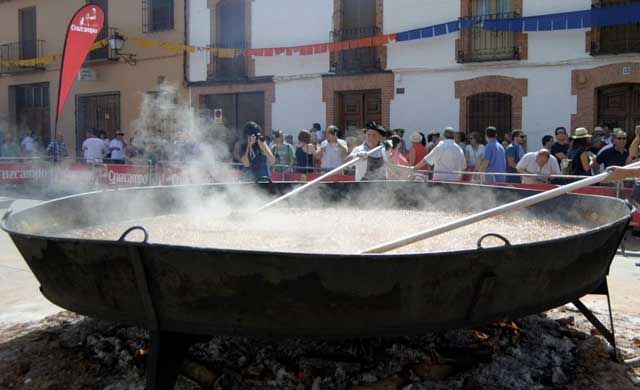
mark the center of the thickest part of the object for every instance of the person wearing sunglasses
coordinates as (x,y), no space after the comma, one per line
(514,153)
(616,154)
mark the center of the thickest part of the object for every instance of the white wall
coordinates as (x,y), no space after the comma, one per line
(292,65)
(279,23)
(541,7)
(199,35)
(403,15)
(298,105)
(429,102)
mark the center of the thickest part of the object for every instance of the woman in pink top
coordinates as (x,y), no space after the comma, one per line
(418,149)
(400,168)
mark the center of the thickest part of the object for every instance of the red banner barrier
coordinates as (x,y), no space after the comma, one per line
(23,173)
(125,176)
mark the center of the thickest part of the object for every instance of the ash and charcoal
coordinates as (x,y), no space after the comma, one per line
(68,351)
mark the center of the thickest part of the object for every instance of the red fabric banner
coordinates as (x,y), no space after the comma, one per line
(22,173)
(82,32)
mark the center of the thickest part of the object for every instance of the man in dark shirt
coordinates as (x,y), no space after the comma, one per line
(616,154)
(560,148)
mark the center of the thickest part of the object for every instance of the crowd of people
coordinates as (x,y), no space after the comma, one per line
(487,158)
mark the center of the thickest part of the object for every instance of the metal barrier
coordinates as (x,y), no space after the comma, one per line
(75,175)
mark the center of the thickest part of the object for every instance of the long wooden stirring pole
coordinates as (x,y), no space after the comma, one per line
(519,204)
(319,179)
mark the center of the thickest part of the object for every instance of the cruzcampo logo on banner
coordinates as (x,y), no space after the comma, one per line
(83,30)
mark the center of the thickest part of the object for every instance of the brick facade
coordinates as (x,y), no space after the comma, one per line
(331,85)
(585,84)
(197,95)
(517,88)
(337,25)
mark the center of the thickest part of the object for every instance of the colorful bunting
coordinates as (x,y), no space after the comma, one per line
(597,17)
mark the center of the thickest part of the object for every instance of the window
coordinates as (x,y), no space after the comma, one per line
(102,53)
(31,109)
(477,44)
(359,20)
(28,39)
(489,109)
(616,39)
(100,112)
(157,15)
(230,33)
(27,46)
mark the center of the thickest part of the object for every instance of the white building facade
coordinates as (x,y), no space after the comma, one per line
(468,79)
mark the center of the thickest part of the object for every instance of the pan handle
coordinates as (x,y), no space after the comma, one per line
(132,228)
(496,235)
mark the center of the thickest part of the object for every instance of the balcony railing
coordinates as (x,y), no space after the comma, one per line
(477,44)
(157,15)
(23,50)
(228,69)
(361,60)
(618,39)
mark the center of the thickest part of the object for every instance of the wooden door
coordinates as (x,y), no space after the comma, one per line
(619,106)
(352,113)
(27,25)
(356,109)
(372,107)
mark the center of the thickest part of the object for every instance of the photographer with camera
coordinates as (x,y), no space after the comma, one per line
(257,156)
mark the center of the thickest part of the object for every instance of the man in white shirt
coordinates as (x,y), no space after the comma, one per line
(116,147)
(332,150)
(538,163)
(28,144)
(446,157)
(373,166)
(93,148)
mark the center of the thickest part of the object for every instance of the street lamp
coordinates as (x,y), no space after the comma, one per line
(116,43)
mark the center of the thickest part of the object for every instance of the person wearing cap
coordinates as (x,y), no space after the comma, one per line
(579,157)
(332,150)
(116,148)
(515,151)
(540,163)
(446,157)
(561,147)
(370,166)
(283,152)
(418,149)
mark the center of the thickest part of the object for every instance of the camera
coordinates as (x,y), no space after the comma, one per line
(259,137)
